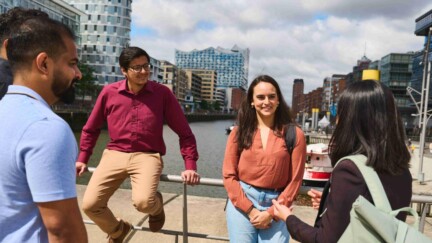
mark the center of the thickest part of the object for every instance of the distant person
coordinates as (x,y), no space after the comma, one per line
(368,123)
(410,145)
(258,167)
(135,110)
(9,22)
(38,200)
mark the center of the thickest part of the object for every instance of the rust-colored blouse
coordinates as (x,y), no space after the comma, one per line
(271,168)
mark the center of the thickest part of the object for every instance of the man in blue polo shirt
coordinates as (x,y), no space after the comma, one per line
(38,150)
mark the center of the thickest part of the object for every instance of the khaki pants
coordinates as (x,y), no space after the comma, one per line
(144,169)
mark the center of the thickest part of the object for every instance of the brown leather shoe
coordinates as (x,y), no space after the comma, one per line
(157,221)
(127,227)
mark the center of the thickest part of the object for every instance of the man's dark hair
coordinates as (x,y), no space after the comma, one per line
(130,53)
(34,36)
(12,19)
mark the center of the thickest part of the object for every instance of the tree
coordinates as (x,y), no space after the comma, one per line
(216,106)
(87,85)
(204,105)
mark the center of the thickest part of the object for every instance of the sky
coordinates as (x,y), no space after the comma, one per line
(288,39)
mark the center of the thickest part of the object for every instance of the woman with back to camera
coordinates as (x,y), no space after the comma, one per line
(368,123)
(258,167)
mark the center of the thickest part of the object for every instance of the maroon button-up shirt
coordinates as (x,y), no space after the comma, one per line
(135,122)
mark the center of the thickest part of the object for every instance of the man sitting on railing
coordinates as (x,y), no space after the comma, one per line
(135,110)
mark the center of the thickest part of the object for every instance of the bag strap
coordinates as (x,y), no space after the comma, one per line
(409,211)
(290,137)
(372,181)
(402,231)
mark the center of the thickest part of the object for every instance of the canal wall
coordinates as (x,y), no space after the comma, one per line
(76,120)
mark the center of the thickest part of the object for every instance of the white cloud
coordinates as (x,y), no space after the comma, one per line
(291,39)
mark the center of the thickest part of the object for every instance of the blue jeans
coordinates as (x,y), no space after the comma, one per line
(240,230)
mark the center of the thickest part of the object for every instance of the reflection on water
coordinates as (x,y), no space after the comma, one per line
(211,141)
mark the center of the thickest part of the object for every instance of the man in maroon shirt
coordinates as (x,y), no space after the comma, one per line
(135,110)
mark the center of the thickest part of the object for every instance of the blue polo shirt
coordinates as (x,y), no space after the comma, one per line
(37,163)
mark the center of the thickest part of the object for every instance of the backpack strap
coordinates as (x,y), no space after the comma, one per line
(372,181)
(290,137)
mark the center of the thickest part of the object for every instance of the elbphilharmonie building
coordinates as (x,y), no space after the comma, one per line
(231,65)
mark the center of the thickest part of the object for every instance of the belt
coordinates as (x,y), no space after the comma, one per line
(269,189)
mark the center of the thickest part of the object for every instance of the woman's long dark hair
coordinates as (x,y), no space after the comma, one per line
(369,124)
(247,118)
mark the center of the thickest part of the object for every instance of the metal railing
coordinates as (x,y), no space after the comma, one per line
(423,201)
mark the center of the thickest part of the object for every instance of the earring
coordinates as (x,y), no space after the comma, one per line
(252,105)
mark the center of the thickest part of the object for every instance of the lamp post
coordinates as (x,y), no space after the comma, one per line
(424,106)
(426,118)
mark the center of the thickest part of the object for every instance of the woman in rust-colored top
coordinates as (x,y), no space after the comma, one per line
(258,167)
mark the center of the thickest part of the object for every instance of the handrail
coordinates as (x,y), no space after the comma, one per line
(423,200)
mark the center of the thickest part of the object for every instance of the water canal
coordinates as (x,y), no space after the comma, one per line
(211,141)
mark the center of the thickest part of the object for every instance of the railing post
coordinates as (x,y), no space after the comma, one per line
(185,219)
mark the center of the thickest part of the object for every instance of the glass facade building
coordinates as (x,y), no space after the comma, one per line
(105,31)
(232,66)
(423,23)
(418,67)
(396,72)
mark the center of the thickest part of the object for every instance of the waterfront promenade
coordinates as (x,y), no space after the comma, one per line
(207,216)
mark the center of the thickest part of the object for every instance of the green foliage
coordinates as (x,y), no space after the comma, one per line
(87,85)
(204,105)
(216,106)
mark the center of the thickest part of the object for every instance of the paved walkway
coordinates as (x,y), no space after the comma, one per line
(207,216)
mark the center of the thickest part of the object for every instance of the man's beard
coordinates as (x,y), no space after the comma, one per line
(67,95)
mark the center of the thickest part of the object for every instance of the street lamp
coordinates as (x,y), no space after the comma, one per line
(423,111)
(421,149)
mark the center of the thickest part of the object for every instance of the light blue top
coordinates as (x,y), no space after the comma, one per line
(37,163)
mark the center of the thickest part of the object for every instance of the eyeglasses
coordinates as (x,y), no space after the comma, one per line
(139,68)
